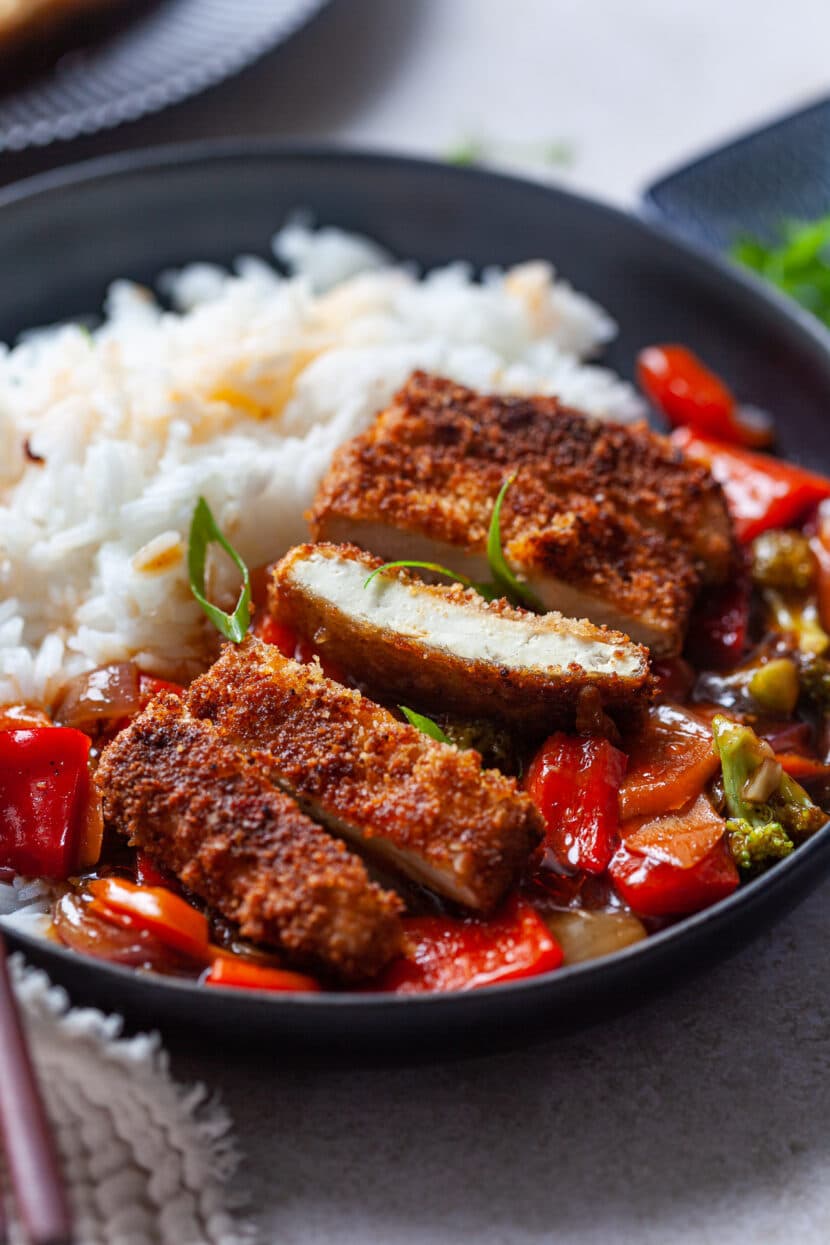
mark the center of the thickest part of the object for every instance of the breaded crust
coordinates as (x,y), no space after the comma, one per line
(402,639)
(433,425)
(211,816)
(601,520)
(424,807)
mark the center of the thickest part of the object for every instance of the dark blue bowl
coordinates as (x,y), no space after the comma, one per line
(752,185)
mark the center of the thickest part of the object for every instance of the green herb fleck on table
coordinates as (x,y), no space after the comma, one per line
(471,151)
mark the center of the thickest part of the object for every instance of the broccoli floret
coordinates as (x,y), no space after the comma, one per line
(495,744)
(767,809)
(815,680)
(774,685)
(784,569)
(783,560)
(756,847)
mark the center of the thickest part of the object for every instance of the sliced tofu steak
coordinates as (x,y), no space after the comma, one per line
(445,648)
(419,806)
(603,521)
(203,809)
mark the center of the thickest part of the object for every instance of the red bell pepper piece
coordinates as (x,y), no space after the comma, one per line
(575,784)
(761,492)
(279,634)
(653,887)
(719,626)
(675,863)
(242,974)
(45,791)
(149,686)
(290,644)
(148,874)
(684,389)
(444,953)
(169,917)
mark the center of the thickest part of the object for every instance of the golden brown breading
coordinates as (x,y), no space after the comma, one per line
(602,520)
(421,806)
(211,816)
(445,648)
(434,424)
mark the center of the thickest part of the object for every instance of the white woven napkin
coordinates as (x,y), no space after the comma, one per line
(147,1161)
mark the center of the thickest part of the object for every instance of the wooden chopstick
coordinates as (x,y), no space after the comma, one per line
(31,1159)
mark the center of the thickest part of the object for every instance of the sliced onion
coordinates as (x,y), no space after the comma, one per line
(76,927)
(588,935)
(767,778)
(23,718)
(102,694)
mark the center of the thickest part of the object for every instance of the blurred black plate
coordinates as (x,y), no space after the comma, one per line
(65,236)
(156,53)
(752,185)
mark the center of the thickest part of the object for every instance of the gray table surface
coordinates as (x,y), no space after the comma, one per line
(700,1117)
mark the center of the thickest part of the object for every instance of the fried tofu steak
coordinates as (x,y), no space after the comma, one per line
(419,806)
(602,521)
(174,787)
(446,648)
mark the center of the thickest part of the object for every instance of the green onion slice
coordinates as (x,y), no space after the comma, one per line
(425,725)
(203,533)
(506,581)
(424,566)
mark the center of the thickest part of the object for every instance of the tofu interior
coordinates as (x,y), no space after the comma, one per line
(544,643)
(397,544)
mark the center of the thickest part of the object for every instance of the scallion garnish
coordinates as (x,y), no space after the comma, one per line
(203,533)
(424,566)
(506,581)
(425,725)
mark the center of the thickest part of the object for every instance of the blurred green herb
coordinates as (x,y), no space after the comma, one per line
(466,153)
(556,153)
(799,264)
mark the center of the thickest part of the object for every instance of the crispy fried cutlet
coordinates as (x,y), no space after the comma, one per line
(603,521)
(422,807)
(445,648)
(211,815)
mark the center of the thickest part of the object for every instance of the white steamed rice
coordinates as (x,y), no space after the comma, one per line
(241,394)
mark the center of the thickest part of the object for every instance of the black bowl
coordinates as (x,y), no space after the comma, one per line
(64,236)
(753,185)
